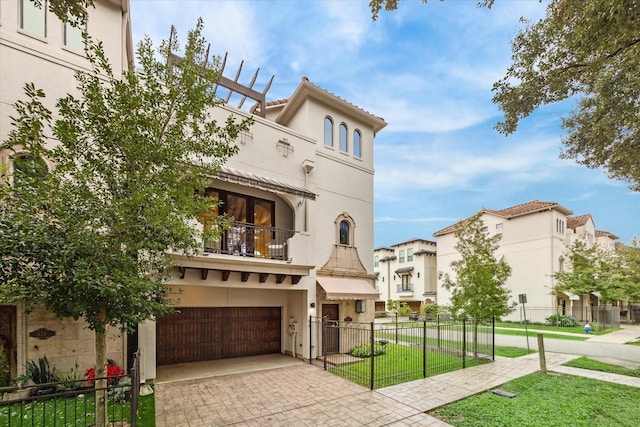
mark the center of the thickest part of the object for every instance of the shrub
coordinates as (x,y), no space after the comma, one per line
(41,372)
(562,320)
(114,373)
(431,311)
(365,350)
(404,309)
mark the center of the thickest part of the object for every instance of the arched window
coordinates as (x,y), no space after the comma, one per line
(344,232)
(328,132)
(357,143)
(344,146)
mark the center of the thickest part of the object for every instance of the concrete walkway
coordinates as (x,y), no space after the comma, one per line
(305,395)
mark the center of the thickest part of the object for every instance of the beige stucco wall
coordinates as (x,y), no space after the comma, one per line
(73,342)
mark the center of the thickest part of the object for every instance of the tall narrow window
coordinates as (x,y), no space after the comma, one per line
(344,233)
(401,255)
(328,132)
(73,37)
(33,19)
(376,261)
(344,146)
(410,254)
(357,143)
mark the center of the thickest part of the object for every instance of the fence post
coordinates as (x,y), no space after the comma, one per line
(396,327)
(493,338)
(135,387)
(373,357)
(324,344)
(464,343)
(424,348)
(438,329)
(310,339)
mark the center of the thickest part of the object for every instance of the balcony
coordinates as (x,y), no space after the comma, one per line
(250,240)
(405,289)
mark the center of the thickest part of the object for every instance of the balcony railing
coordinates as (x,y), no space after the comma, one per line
(407,287)
(245,239)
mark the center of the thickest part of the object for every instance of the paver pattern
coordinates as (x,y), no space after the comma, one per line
(305,395)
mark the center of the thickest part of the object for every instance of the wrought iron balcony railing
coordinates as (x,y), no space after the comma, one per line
(406,287)
(245,239)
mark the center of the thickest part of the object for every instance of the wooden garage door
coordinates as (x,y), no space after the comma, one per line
(194,334)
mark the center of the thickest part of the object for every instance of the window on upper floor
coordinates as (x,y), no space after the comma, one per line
(376,261)
(401,256)
(344,145)
(561,264)
(328,132)
(33,19)
(357,143)
(485,229)
(559,226)
(73,37)
(499,226)
(344,230)
(410,254)
(406,282)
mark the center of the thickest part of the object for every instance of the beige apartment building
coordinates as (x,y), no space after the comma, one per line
(406,272)
(535,236)
(301,239)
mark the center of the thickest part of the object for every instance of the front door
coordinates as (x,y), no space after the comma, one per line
(331,328)
(8,335)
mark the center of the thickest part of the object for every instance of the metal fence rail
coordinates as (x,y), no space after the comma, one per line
(600,317)
(402,351)
(70,403)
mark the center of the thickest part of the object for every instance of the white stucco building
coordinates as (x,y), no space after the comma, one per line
(300,190)
(406,272)
(535,236)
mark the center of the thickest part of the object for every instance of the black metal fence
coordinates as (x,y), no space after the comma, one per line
(599,317)
(380,354)
(71,403)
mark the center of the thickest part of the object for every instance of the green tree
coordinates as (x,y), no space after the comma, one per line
(477,288)
(585,269)
(587,49)
(623,278)
(73,11)
(91,239)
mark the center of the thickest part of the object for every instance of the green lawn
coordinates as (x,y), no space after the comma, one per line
(74,411)
(401,364)
(548,400)
(594,365)
(573,329)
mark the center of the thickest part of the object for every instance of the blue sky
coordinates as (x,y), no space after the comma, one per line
(428,71)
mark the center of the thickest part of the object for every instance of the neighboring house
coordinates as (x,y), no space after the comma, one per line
(535,239)
(406,272)
(300,191)
(35,46)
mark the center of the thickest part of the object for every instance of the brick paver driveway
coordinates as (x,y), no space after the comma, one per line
(300,395)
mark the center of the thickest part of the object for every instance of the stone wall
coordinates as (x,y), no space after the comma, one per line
(73,342)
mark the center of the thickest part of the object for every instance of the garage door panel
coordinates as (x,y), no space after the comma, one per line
(194,334)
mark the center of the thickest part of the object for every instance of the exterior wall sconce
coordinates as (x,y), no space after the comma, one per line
(286,147)
(361,306)
(312,305)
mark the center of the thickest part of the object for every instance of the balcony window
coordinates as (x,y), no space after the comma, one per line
(252,231)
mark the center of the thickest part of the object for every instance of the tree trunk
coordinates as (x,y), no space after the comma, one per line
(101,371)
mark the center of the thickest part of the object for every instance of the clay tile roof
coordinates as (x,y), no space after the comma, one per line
(511,212)
(524,208)
(602,233)
(277,102)
(577,221)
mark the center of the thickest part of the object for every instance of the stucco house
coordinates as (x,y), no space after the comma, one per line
(301,194)
(535,236)
(406,272)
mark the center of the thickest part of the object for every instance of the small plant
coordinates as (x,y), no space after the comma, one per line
(122,392)
(41,372)
(114,373)
(562,320)
(70,380)
(431,311)
(403,310)
(365,350)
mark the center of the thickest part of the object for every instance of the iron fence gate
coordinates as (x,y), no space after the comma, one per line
(380,354)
